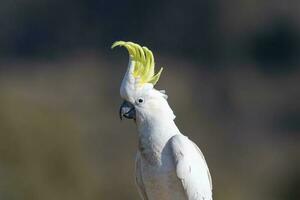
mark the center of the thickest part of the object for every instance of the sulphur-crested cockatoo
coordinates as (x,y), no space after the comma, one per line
(169,166)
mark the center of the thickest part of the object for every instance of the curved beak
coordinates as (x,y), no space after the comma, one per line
(127,110)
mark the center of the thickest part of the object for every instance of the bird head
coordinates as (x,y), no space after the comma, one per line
(137,88)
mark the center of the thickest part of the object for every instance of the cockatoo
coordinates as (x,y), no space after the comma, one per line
(168,165)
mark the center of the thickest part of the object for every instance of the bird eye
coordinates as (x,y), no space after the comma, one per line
(140,100)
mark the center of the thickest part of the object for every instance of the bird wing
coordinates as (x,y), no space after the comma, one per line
(191,168)
(139,178)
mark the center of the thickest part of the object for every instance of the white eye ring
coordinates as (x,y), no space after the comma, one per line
(140,100)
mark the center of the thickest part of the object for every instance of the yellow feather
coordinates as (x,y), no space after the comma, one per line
(143,62)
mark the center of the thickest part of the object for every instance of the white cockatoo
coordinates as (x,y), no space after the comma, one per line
(169,166)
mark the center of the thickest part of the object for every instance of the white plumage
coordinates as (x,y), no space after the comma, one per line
(169,166)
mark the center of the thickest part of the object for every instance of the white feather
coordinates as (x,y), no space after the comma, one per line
(169,165)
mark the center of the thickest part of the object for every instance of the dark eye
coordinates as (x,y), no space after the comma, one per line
(140,100)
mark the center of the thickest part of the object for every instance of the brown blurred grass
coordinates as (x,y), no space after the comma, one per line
(60,136)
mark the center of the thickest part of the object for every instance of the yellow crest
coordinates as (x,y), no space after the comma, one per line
(144,62)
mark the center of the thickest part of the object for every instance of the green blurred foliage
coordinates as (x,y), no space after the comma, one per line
(230,70)
(61,137)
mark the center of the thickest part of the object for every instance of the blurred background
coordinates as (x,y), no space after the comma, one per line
(231,70)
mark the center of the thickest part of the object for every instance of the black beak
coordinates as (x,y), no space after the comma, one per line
(127,110)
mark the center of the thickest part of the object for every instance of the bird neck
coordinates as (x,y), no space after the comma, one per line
(154,132)
(157,126)
(157,121)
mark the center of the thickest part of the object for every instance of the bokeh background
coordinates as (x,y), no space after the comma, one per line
(231,70)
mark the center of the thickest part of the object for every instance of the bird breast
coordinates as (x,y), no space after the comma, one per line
(159,174)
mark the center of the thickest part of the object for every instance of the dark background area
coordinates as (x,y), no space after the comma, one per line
(231,70)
